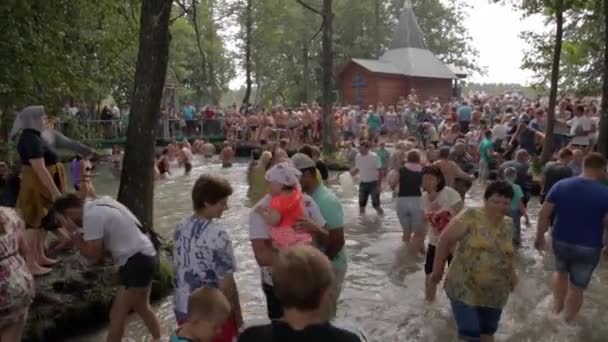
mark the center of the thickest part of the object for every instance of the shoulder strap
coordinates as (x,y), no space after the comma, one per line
(154,237)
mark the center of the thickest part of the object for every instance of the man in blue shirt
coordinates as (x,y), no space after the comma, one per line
(189,112)
(579,207)
(464,116)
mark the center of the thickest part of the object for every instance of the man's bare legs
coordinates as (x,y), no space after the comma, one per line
(573,303)
(560,288)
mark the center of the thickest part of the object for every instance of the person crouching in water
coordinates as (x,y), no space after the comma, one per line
(227,155)
(208,309)
(185,156)
(105,225)
(285,206)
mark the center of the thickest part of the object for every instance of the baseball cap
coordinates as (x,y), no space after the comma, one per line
(302,161)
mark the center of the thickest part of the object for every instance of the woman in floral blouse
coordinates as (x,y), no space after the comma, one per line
(16,282)
(482,275)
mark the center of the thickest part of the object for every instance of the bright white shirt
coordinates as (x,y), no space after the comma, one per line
(107,219)
(586,124)
(445,200)
(116,112)
(499,132)
(369,166)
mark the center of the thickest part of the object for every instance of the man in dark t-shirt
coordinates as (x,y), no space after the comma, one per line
(555,171)
(302,278)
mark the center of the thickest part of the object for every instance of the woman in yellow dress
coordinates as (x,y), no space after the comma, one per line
(43,180)
(481,276)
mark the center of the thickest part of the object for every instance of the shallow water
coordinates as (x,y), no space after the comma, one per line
(383,291)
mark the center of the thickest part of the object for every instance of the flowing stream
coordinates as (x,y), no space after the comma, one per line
(383,291)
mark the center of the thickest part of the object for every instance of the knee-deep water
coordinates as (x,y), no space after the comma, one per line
(384,288)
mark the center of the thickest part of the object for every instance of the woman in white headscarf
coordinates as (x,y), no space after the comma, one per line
(43,180)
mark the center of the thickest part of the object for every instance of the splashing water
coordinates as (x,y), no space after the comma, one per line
(384,288)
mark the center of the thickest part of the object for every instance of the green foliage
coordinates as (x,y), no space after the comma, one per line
(283,40)
(85,51)
(53,49)
(581,63)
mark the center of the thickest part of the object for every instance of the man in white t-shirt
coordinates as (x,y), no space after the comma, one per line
(499,133)
(580,128)
(104,225)
(264,251)
(369,168)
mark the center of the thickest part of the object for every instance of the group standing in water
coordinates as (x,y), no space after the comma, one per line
(297,226)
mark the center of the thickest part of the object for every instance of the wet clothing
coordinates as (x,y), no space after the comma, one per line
(482,270)
(578,262)
(474,321)
(16,281)
(278,331)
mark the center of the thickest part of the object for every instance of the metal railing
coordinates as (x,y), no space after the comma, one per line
(168,129)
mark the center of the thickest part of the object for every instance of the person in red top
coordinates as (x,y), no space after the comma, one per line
(209,113)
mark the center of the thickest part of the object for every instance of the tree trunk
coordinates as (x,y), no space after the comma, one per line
(328,66)
(306,73)
(602,142)
(248,34)
(377,28)
(137,180)
(549,142)
(214,93)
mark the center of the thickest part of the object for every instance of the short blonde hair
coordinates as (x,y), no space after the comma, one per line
(301,277)
(208,304)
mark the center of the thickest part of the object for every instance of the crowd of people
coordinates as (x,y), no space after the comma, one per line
(297,224)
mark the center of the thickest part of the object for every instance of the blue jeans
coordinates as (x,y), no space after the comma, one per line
(474,321)
(578,261)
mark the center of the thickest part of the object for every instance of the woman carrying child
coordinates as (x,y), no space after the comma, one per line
(285,206)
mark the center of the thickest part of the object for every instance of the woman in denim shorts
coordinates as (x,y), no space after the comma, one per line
(409,210)
(481,275)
